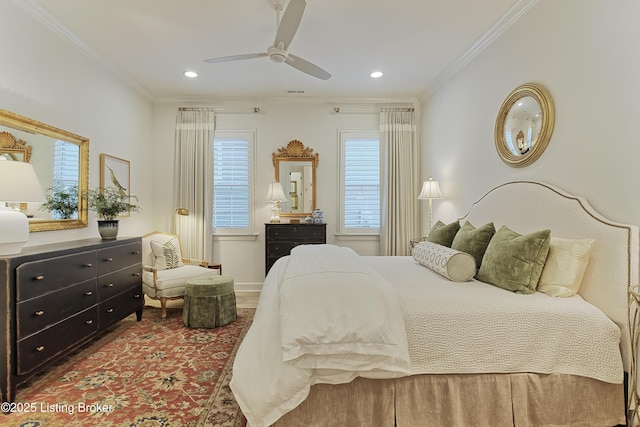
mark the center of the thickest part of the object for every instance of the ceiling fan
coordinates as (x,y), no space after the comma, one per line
(287,27)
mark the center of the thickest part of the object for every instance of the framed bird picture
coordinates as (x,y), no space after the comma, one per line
(116,172)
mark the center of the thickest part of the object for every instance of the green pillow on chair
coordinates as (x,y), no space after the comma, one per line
(442,234)
(514,261)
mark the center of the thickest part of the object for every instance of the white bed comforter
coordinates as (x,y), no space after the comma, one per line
(324,316)
(451,327)
(473,327)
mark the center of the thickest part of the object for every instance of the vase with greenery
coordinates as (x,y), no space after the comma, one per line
(108,203)
(62,201)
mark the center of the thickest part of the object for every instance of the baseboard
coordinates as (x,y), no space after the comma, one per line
(247,287)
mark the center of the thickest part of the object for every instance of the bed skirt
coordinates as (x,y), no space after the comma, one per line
(463,400)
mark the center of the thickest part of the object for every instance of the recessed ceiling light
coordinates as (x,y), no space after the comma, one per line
(191,74)
(376,74)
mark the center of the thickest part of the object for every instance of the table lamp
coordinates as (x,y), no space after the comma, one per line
(275,195)
(18,184)
(430,191)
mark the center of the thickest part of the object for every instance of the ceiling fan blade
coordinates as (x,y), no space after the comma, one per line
(307,67)
(236,57)
(289,22)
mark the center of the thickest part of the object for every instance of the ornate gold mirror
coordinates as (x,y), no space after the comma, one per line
(524,125)
(295,167)
(58,157)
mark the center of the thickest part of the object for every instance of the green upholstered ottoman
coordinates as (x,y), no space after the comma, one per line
(209,301)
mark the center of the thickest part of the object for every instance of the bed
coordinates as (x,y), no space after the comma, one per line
(328,348)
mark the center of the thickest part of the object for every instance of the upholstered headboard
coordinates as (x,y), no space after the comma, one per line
(527,206)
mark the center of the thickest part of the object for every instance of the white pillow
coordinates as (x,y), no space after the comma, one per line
(454,265)
(565,266)
(167,255)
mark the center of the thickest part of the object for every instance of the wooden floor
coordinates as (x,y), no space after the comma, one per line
(244,299)
(247,299)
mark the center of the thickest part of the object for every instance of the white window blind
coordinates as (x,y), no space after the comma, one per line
(66,167)
(232,160)
(360,182)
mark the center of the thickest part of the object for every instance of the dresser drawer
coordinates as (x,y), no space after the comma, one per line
(38,313)
(280,248)
(118,257)
(37,349)
(35,278)
(112,284)
(120,306)
(297,232)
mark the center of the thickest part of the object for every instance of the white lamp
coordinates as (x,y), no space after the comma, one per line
(18,184)
(430,191)
(275,195)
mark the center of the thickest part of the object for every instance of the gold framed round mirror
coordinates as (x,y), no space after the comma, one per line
(524,125)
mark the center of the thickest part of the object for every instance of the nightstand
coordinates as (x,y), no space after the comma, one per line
(414,242)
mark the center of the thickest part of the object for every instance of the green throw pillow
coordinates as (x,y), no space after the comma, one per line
(442,234)
(473,241)
(514,261)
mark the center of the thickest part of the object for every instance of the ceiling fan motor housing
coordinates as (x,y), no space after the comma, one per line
(277,54)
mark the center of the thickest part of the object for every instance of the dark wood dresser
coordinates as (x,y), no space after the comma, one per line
(57,297)
(281,238)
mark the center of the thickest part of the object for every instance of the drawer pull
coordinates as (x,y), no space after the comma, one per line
(136,296)
(110,310)
(39,277)
(39,313)
(110,285)
(137,274)
(109,259)
(88,293)
(88,322)
(41,348)
(89,265)
(136,252)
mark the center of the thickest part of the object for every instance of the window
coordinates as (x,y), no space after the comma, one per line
(233,182)
(360,182)
(66,158)
(66,170)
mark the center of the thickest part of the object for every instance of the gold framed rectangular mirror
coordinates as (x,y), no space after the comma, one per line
(60,159)
(295,168)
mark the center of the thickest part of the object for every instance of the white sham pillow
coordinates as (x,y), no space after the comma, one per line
(167,255)
(565,266)
(455,265)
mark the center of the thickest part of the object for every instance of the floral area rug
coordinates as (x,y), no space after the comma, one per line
(152,373)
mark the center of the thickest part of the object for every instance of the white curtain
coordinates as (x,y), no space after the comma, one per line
(399,219)
(193,181)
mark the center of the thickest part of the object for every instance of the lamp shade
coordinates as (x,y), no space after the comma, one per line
(275,193)
(430,190)
(19,183)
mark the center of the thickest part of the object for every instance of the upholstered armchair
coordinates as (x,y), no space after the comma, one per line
(165,272)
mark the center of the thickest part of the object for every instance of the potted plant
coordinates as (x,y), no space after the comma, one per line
(62,201)
(108,203)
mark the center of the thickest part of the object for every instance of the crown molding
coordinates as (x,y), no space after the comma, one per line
(520,8)
(37,12)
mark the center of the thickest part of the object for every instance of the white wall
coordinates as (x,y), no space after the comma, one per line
(44,77)
(313,123)
(585,53)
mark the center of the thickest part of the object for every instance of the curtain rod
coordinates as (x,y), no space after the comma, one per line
(339,110)
(408,109)
(197,109)
(254,110)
